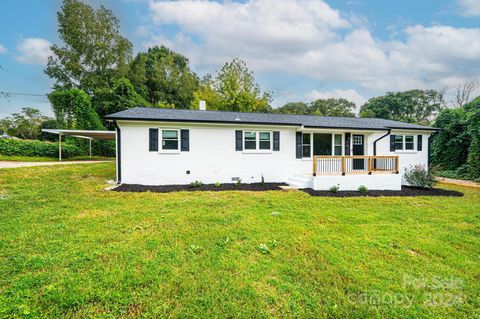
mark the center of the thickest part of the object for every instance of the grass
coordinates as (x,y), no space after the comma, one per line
(52,159)
(70,249)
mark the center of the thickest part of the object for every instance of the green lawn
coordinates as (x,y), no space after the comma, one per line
(70,249)
(52,159)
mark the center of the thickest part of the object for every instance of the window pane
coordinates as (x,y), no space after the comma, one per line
(264,145)
(399,146)
(338,139)
(338,150)
(170,134)
(306,151)
(398,138)
(170,144)
(306,139)
(250,145)
(264,136)
(409,145)
(250,135)
(322,144)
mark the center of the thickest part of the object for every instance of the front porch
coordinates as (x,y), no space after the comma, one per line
(351,172)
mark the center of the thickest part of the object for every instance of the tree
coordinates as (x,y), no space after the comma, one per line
(162,75)
(293,108)
(233,89)
(120,97)
(73,110)
(332,107)
(25,125)
(414,106)
(94,53)
(464,91)
(321,107)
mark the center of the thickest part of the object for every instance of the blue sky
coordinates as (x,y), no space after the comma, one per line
(299,49)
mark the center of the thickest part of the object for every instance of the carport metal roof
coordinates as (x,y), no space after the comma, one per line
(86,134)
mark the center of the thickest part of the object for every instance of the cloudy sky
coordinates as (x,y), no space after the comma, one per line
(299,49)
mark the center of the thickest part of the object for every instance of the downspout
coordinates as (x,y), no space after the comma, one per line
(119,152)
(378,139)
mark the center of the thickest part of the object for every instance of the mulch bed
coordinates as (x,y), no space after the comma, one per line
(256,187)
(406,191)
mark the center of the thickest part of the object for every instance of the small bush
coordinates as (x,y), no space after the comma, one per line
(218,184)
(335,188)
(36,148)
(419,176)
(362,189)
(239,182)
(196,184)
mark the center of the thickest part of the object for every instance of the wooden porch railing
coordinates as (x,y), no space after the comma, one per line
(331,165)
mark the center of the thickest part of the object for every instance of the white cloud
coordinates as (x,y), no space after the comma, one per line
(34,51)
(469,7)
(2,49)
(310,38)
(348,94)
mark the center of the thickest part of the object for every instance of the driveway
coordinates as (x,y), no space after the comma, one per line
(7,164)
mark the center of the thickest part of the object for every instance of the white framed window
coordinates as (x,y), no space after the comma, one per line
(170,140)
(306,145)
(337,144)
(264,140)
(257,141)
(404,142)
(409,142)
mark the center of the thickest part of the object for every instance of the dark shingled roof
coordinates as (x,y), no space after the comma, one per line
(173,115)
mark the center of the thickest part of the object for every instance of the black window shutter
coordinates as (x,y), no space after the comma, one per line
(238,140)
(276,141)
(419,142)
(153,140)
(185,140)
(392,143)
(298,144)
(347,143)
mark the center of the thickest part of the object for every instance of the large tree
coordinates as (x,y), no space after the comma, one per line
(233,89)
(163,77)
(120,97)
(93,54)
(26,124)
(73,110)
(322,107)
(414,106)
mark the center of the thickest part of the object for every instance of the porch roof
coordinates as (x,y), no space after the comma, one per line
(309,121)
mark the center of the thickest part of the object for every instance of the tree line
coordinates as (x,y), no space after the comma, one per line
(95,73)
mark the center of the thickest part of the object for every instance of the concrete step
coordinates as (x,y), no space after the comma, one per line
(301,181)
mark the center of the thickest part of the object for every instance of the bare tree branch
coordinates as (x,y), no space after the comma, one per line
(464,91)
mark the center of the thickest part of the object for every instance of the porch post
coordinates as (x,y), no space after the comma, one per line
(314,166)
(59,147)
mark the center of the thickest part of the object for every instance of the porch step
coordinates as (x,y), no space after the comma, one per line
(301,181)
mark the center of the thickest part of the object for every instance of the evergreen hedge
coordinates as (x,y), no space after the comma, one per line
(36,148)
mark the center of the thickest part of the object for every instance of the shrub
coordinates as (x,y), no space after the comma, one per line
(362,189)
(239,182)
(218,184)
(36,148)
(196,184)
(419,176)
(334,188)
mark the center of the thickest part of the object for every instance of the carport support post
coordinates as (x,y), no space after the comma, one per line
(59,147)
(90,147)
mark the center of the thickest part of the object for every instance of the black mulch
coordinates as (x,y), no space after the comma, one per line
(205,187)
(406,191)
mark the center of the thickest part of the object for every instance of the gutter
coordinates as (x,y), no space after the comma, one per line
(378,139)
(119,153)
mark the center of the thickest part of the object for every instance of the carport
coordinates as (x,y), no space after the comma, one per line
(85,134)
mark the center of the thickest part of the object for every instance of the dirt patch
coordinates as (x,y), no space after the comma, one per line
(459,182)
(406,191)
(255,187)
